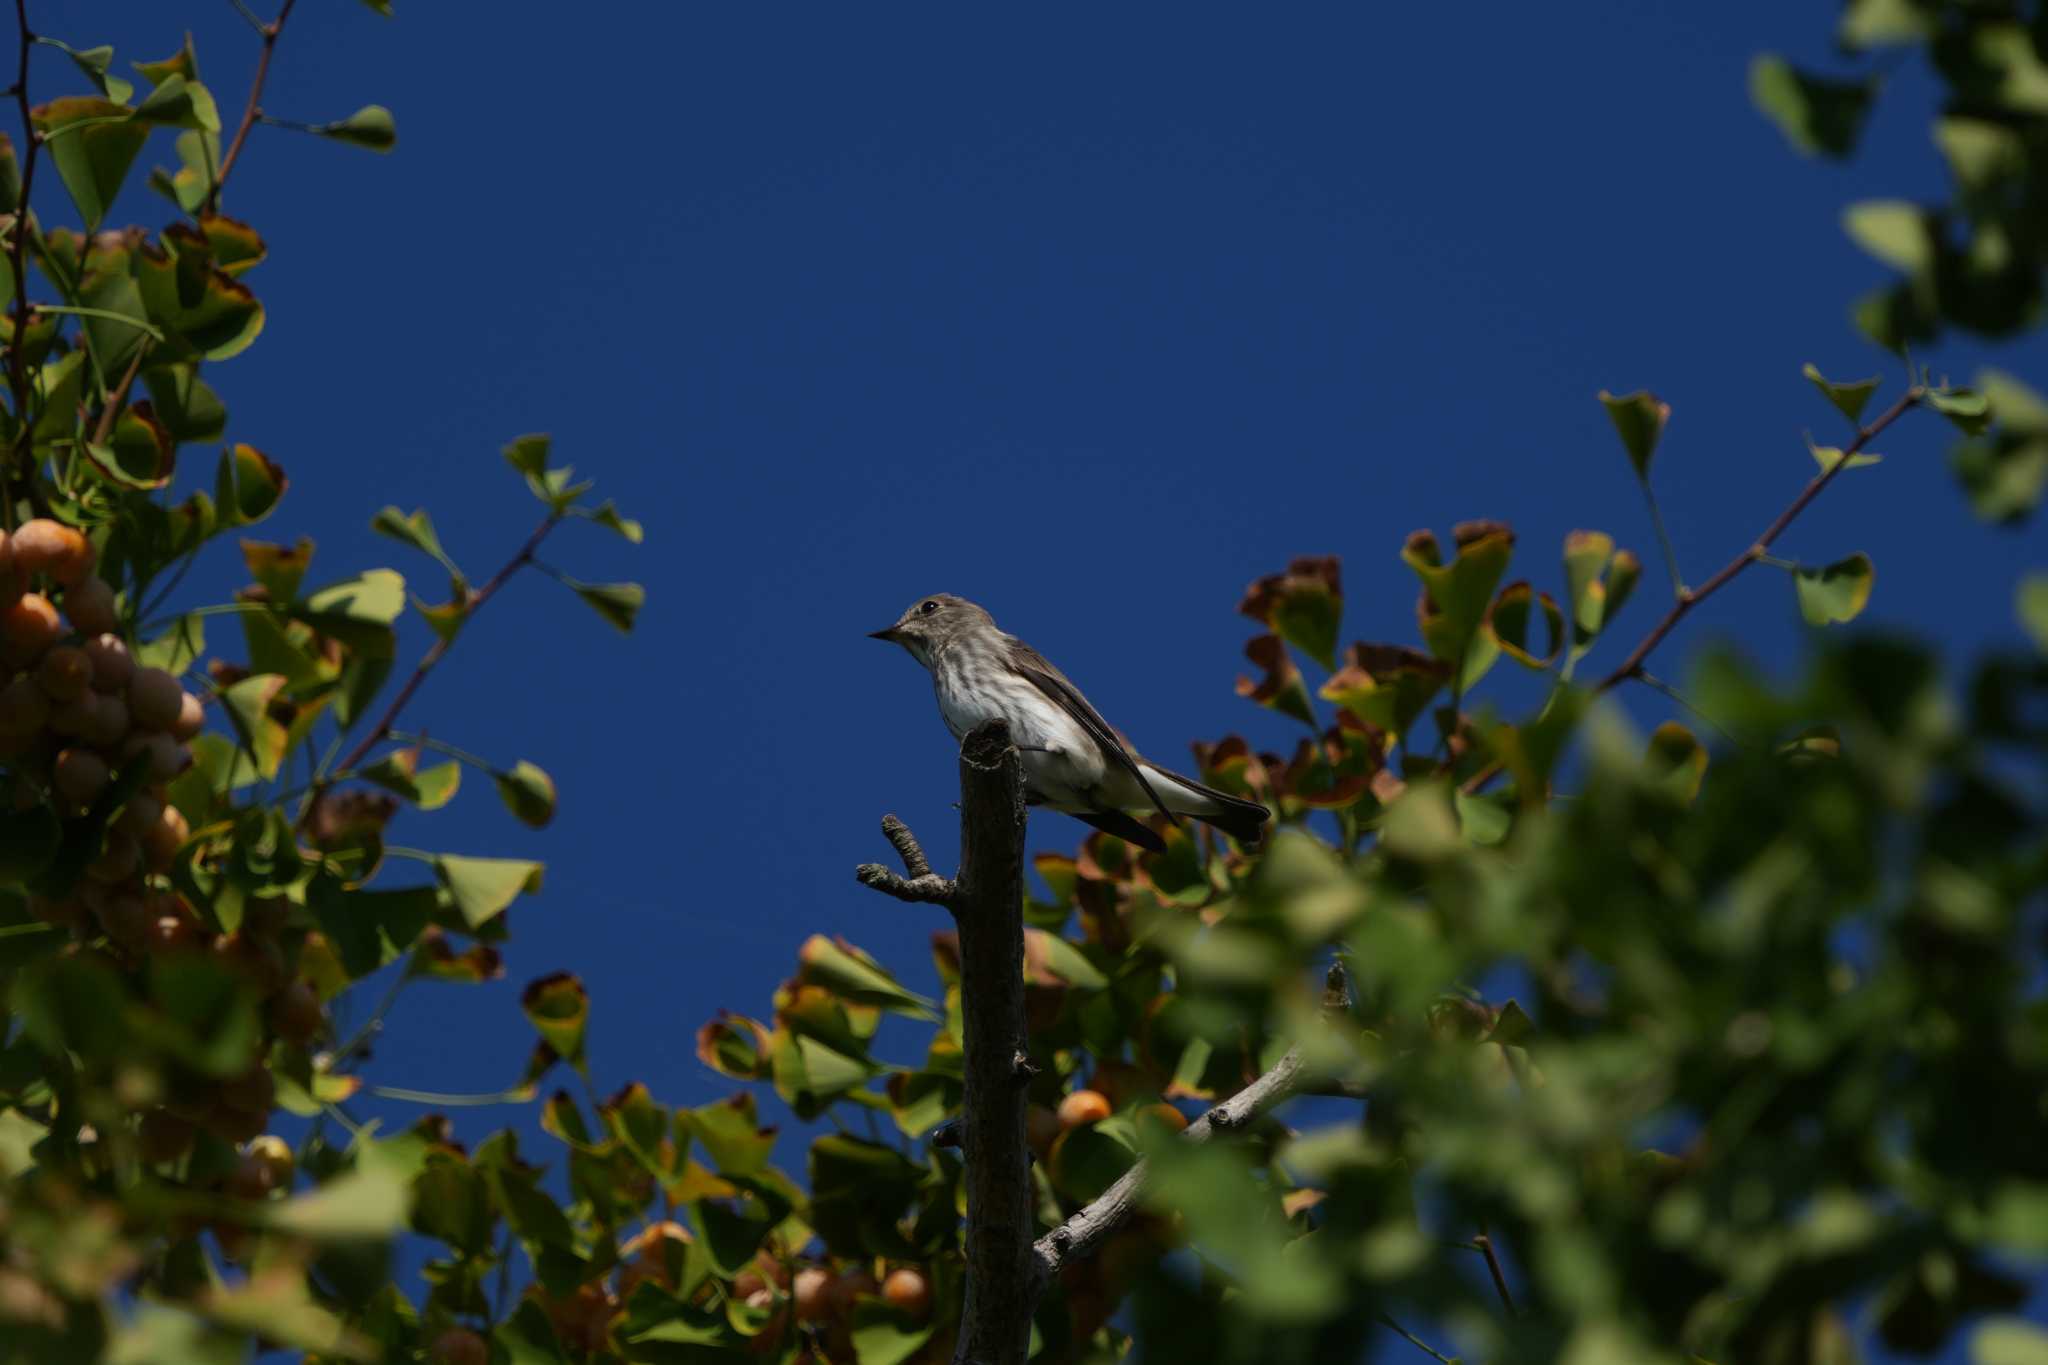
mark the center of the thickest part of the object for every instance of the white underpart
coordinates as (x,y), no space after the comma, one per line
(1063,767)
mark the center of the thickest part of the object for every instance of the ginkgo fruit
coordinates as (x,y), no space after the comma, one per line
(28,626)
(65,673)
(909,1292)
(155,699)
(45,546)
(90,605)
(80,774)
(113,667)
(1083,1106)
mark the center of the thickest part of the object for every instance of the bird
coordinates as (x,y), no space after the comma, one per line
(1074,761)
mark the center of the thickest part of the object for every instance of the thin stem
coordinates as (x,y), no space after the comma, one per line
(248,14)
(1632,666)
(1634,662)
(1656,684)
(17,363)
(1664,539)
(77,310)
(270,32)
(361,1037)
(1417,1342)
(517,1095)
(382,729)
(1484,1245)
(1776,563)
(443,747)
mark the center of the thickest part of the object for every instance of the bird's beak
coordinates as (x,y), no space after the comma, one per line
(890,635)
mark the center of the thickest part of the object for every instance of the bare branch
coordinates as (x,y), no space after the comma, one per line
(17,362)
(1085,1230)
(1688,598)
(922,885)
(929,889)
(906,845)
(254,107)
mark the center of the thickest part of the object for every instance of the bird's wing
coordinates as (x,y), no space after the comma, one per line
(1124,827)
(1054,684)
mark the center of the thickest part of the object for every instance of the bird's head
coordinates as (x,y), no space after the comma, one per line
(932,623)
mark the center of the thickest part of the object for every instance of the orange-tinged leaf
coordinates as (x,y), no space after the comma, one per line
(1282,689)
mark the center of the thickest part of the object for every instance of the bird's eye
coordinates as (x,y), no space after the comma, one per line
(928,607)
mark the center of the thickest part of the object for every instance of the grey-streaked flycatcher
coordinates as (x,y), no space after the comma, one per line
(1074,761)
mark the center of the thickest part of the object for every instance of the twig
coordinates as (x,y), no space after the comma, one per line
(1084,1230)
(1417,1342)
(427,661)
(112,412)
(270,32)
(1686,602)
(1632,666)
(922,885)
(17,365)
(1500,1281)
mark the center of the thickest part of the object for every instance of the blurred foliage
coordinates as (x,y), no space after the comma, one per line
(1721,1044)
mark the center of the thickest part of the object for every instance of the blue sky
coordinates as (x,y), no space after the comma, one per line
(1092,316)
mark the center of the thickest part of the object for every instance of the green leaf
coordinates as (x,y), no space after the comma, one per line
(851,974)
(1968,409)
(482,887)
(179,102)
(188,409)
(1384,685)
(884,1336)
(559,1009)
(1893,230)
(247,704)
(399,772)
(1827,457)
(416,530)
(2019,407)
(184,62)
(618,603)
(1303,606)
(2009,1341)
(1456,595)
(93,143)
(95,62)
(734,1045)
(1677,761)
(1837,593)
(2031,605)
(1282,689)
(356,609)
(856,1189)
(246,486)
(1815,114)
(183,641)
(529,455)
(1586,556)
(529,792)
(608,515)
(1639,420)
(1850,397)
(370,126)
(197,302)
(372,1200)
(371,929)
(1510,618)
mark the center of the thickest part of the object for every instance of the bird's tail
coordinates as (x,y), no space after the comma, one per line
(1244,821)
